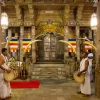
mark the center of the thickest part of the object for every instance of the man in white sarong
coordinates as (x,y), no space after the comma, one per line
(5,91)
(90,58)
(85,87)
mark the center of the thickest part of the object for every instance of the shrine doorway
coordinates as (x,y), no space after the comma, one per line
(50,49)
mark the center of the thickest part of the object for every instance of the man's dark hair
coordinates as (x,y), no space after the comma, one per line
(3,50)
(86,53)
(89,51)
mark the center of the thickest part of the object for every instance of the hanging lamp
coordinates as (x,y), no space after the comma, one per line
(93,21)
(4,17)
(4,20)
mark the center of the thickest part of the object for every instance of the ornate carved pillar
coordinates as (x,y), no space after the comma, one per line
(2,34)
(3,37)
(9,38)
(66,13)
(20,45)
(78,42)
(0,31)
(66,29)
(90,33)
(97,75)
(66,36)
(33,45)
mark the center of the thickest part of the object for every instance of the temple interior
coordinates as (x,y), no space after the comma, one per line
(45,40)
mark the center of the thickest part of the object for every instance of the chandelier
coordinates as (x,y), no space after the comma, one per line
(4,17)
(93,21)
(4,20)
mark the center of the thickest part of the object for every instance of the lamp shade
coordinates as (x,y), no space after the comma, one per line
(93,21)
(4,20)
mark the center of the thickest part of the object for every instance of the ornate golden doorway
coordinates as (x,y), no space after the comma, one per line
(50,47)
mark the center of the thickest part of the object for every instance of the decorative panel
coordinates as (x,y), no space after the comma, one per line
(49,47)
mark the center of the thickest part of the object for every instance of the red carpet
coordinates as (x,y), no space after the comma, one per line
(25,84)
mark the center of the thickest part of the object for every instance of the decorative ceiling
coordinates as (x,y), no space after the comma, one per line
(32,12)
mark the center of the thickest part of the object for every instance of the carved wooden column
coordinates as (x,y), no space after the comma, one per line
(33,45)
(0,31)
(20,45)
(66,29)
(3,37)
(90,33)
(78,42)
(66,36)
(97,75)
(2,34)
(66,13)
(9,38)
(78,19)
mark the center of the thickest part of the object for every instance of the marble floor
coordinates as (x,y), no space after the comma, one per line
(52,90)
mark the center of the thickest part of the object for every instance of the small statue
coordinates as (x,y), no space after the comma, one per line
(24,69)
(12,62)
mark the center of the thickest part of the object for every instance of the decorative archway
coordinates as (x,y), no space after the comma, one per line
(50,50)
(50,27)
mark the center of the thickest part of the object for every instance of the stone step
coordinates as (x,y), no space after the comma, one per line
(53,71)
(48,73)
(49,69)
(48,76)
(48,65)
(36,71)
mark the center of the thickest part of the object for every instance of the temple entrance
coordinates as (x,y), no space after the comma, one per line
(50,49)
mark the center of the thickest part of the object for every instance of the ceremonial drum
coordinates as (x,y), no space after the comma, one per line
(79,79)
(10,76)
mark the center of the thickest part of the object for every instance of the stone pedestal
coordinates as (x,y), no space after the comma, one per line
(97,78)
(33,45)
(78,42)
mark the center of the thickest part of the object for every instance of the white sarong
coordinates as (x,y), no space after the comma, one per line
(90,66)
(85,87)
(5,90)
